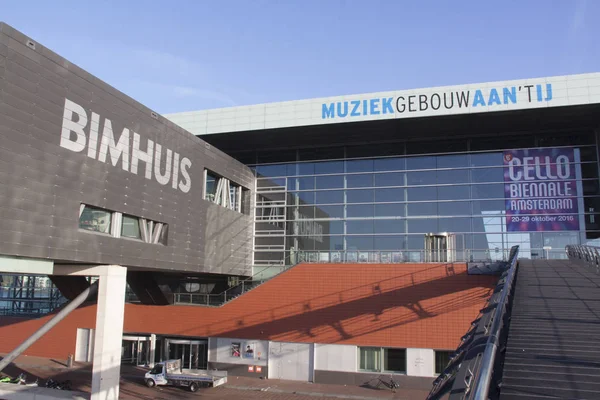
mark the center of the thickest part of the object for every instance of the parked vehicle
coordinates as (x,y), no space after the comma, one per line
(170,373)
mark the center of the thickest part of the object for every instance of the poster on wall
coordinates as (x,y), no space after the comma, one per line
(235,349)
(540,190)
(249,350)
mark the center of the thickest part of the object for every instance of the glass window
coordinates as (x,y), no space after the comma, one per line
(452,161)
(453,176)
(359,211)
(421,194)
(305,211)
(359,242)
(292,169)
(271,170)
(493,191)
(361,180)
(330,182)
(442,358)
(211,186)
(304,183)
(329,167)
(394,360)
(306,197)
(369,359)
(390,210)
(131,227)
(390,226)
(334,227)
(446,208)
(95,219)
(385,195)
(485,175)
(421,178)
(330,211)
(481,206)
(390,164)
(454,225)
(415,242)
(359,166)
(486,159)
(359,196)
(420,163)
(422,209)
(357,227)
(390,179)
(454,192)
(331,243)
(329,196)
(422,225)
(306,168)
(389,242)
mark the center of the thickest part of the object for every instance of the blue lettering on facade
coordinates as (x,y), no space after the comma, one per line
(433,101)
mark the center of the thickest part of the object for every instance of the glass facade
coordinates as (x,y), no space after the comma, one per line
(378,209)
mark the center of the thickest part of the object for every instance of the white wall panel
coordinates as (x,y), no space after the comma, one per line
(336,357)
(420,362)
(224,351)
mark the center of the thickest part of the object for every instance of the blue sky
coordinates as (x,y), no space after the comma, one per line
(183,55)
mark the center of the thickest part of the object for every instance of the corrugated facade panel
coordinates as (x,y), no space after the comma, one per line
(389,305)
(43,183)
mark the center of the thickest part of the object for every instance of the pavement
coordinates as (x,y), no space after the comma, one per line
(132,385)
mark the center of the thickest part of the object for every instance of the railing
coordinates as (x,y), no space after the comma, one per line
(470,371)
(587,255)
(244,286)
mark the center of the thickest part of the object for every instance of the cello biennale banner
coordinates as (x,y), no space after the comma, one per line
(540,190)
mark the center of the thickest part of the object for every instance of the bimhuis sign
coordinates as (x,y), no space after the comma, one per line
(94,135)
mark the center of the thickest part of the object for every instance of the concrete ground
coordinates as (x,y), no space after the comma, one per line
(133,388)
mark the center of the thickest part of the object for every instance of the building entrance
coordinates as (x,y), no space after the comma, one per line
(440,247)
(192,353)
(136,350)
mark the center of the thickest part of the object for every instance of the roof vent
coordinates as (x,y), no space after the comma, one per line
(31,44)
(154,115)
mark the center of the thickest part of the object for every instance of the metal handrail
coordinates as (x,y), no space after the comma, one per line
(484,377)
(589,255)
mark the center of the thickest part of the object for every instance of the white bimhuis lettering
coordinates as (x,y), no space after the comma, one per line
(69,126)
(160,178)
(186,184)
(145,156)
(74,138)
(93,140)
(117,150)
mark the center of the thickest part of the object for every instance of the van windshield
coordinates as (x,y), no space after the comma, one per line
(157,370)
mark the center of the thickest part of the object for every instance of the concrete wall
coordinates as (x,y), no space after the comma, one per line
(334,357)
(50,163)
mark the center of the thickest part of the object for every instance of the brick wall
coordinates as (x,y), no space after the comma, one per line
(404,305)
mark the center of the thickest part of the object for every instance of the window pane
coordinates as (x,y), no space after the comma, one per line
(395,360)
(453,176)
(359,242)
(446,208)
(131,227)
(390,210)
(390,242)
(359,196)
(487,175)
(211,186)
(369,358)
(421,178)
(486,159)
(493,191)
(454,192)
(354,227)
(306,169)
(385,195)
(305,183)
(333,227)
(330,211)
(359,166)
(305,197)
(390,164)
(330,167)
(453,161)
(420,163)
(271,170)
(454,225)
(390,226)
(421,194)
(95,219)
(359,210)
(422,209)
(362,180)
(423,225)
(330,182)
(390,179)
(330,196)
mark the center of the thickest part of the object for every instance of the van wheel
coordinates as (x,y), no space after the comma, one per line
(193,387)
(150,383)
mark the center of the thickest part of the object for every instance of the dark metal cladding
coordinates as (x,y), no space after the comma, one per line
(43,183)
